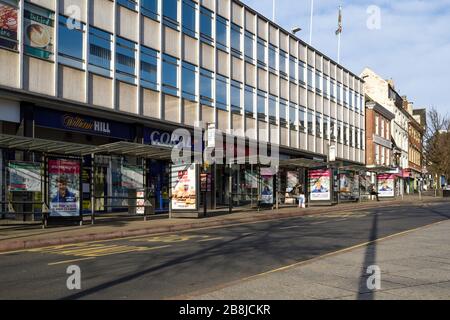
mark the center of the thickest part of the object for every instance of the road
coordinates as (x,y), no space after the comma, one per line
(180,264)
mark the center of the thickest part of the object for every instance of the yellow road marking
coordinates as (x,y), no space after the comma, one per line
(291,227)
(173,238)
(69,261)
(210,239)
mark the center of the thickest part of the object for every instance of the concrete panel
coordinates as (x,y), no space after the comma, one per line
(9,69)
(172,42)
(100,91)
(190,112)
(190,52)
(101,14)
(171,108)
(71,84)
(128,24)
(127,97)
(39,76)
(151,104)
(151,33)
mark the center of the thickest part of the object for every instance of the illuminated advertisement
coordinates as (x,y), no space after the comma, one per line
(38,31)
(64,181)
(386,185)
(267,179)
(184,187)
(320,184)
(8,24)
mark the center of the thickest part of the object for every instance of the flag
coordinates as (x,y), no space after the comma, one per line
(339,29)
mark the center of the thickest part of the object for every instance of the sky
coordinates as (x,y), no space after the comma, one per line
(406,40)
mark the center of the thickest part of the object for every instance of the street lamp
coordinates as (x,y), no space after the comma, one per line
(295,30)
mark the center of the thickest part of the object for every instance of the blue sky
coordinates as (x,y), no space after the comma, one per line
(412,45)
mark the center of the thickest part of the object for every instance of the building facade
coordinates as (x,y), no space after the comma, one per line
(97,72)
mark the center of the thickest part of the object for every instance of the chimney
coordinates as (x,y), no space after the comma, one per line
(391,83)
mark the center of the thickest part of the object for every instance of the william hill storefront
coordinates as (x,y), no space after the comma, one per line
(77,163)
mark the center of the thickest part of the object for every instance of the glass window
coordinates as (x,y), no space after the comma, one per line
(346,134)
(149,8)
(170,74)
(333,89)
(318,125)
(236,32)
(8,24)
(262,52)
(149,68)
(206,24)
(70,44)
(262,114)
(273,109)
(326,123)
(189,14)
(292,116)
(345,96)
(302,119)
(283,63)
(325,85)
(310,122)
(100,47)
(333,133)
(236,88)
(293,69)
(125,60)
(130,4)
(249,46)
(339,131)
(339,93)
(310,78)
(221,33)
(318,82)
(170,13)
(249,101)
(273,58)
(301,72)
(189,75)
(284,113)
(221,92)
(206,87)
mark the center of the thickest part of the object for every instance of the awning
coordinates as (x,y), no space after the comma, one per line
(120,148)
(302,162)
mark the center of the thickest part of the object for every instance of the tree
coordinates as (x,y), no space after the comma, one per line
(437,144)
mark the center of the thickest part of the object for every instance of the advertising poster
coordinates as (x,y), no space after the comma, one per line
(38,31)
(8,24)
(24,177)
(345,183)
(64,180)
(132,177)
(267,179)
(292,180)
(386,185)
(184,187)
(320,184)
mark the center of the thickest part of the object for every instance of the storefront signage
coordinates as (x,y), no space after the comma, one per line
(386,185)
(24,177)
(64,188)
(38,31)
(184,187)
(8,24)
(320,185)
(83,124)
(161,138)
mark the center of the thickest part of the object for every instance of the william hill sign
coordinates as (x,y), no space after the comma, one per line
(78,123)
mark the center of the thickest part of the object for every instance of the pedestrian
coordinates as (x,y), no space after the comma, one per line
(373,192)
(301,196)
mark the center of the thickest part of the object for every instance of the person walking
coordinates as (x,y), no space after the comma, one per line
(299,191)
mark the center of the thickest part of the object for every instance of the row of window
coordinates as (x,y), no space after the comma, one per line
(382,127)
(382,155)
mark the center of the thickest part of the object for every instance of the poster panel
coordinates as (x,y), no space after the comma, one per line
(64,188)
(267,182)
(292,181)
(320,184)
(38,31)
(184,187)
(8,24)
(24,177)
(132,177)
(386,185)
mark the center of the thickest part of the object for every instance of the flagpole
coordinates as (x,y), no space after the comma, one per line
(311,22)
(339,49)
(273,11)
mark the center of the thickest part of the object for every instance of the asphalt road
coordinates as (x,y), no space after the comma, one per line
(173,265)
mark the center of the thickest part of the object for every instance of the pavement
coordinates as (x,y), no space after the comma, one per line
(414,265)
(238,260)
(18,237)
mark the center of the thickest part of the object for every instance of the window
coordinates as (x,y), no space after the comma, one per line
(130,4)
(221,33)
(352,136)
(377,154)
(273,109)
(318,125)
(70,44)
(351,101)
(221,92)
(383,129)
(339,132)
(100,47)
(189,76)
(302,119)
(293,69)
(318,82)
(339,93)
(283,63)
(149,8)
(325,86)
(206,25)
(249,102)
(310,122)
(333,89)
(345,97)
(284,116)
(249,46)
(236,33)
(363,142)
(189,14)
(236,88)
(149,68)
(326,132)
(346,134)
(8,31)
(262,114)
(272,58)
(206,87)
(301,72)
(333,133)
(170,13)
(42,44)
(262,52)
(377,125)
(310,78)
(292,116)
(170,75)
(358,139)
(125,60)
